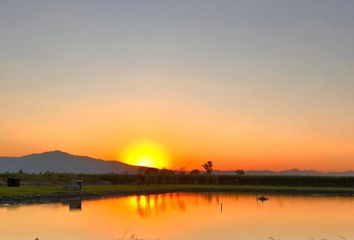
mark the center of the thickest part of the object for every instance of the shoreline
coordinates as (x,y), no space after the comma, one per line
(46,194)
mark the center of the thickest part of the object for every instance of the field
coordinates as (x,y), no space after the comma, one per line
(50,186)
(181,179)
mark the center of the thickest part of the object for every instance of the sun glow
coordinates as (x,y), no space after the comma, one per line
(147,154)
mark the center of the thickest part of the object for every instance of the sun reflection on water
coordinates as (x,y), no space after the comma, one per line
(225,216)
(156,204)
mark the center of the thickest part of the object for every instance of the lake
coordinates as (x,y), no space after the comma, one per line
(184,216)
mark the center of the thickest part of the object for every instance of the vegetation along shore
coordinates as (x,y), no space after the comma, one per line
(50,187)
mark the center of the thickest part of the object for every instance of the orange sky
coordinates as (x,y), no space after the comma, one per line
(242,85)
(190,134)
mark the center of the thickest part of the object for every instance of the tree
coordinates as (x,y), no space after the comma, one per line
(182,171)
(166,171)
(208,166)
(240,172)
(150,170)
(194,171)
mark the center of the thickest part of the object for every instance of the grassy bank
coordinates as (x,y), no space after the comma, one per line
(48,187)
(112,190)
(181,179)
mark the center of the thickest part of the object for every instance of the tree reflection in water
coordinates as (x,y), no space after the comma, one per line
(156,204)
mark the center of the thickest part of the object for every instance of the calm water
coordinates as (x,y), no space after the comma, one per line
(183,216)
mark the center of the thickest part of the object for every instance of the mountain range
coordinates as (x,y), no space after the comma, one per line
(62,162)
(58,161)
(290,172)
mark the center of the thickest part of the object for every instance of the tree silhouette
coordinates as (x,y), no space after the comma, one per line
(194,171)
(150,170)
(240,172)
(208,166)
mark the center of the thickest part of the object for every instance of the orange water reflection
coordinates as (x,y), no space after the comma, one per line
(183,216)
(147,205)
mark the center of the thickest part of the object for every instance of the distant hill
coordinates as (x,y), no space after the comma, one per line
(291,172)
(57,161)
(62,162)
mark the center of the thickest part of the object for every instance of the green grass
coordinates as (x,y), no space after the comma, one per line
(29,190)
(143,189)
(180,179)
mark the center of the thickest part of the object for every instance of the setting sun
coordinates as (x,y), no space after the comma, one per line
(147,154)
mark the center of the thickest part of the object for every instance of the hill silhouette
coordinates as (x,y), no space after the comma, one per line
(290,172)
(62,162)
(58,161)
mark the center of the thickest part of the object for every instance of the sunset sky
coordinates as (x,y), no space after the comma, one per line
(246,84)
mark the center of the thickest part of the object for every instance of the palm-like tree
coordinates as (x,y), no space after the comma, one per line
(208,166)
